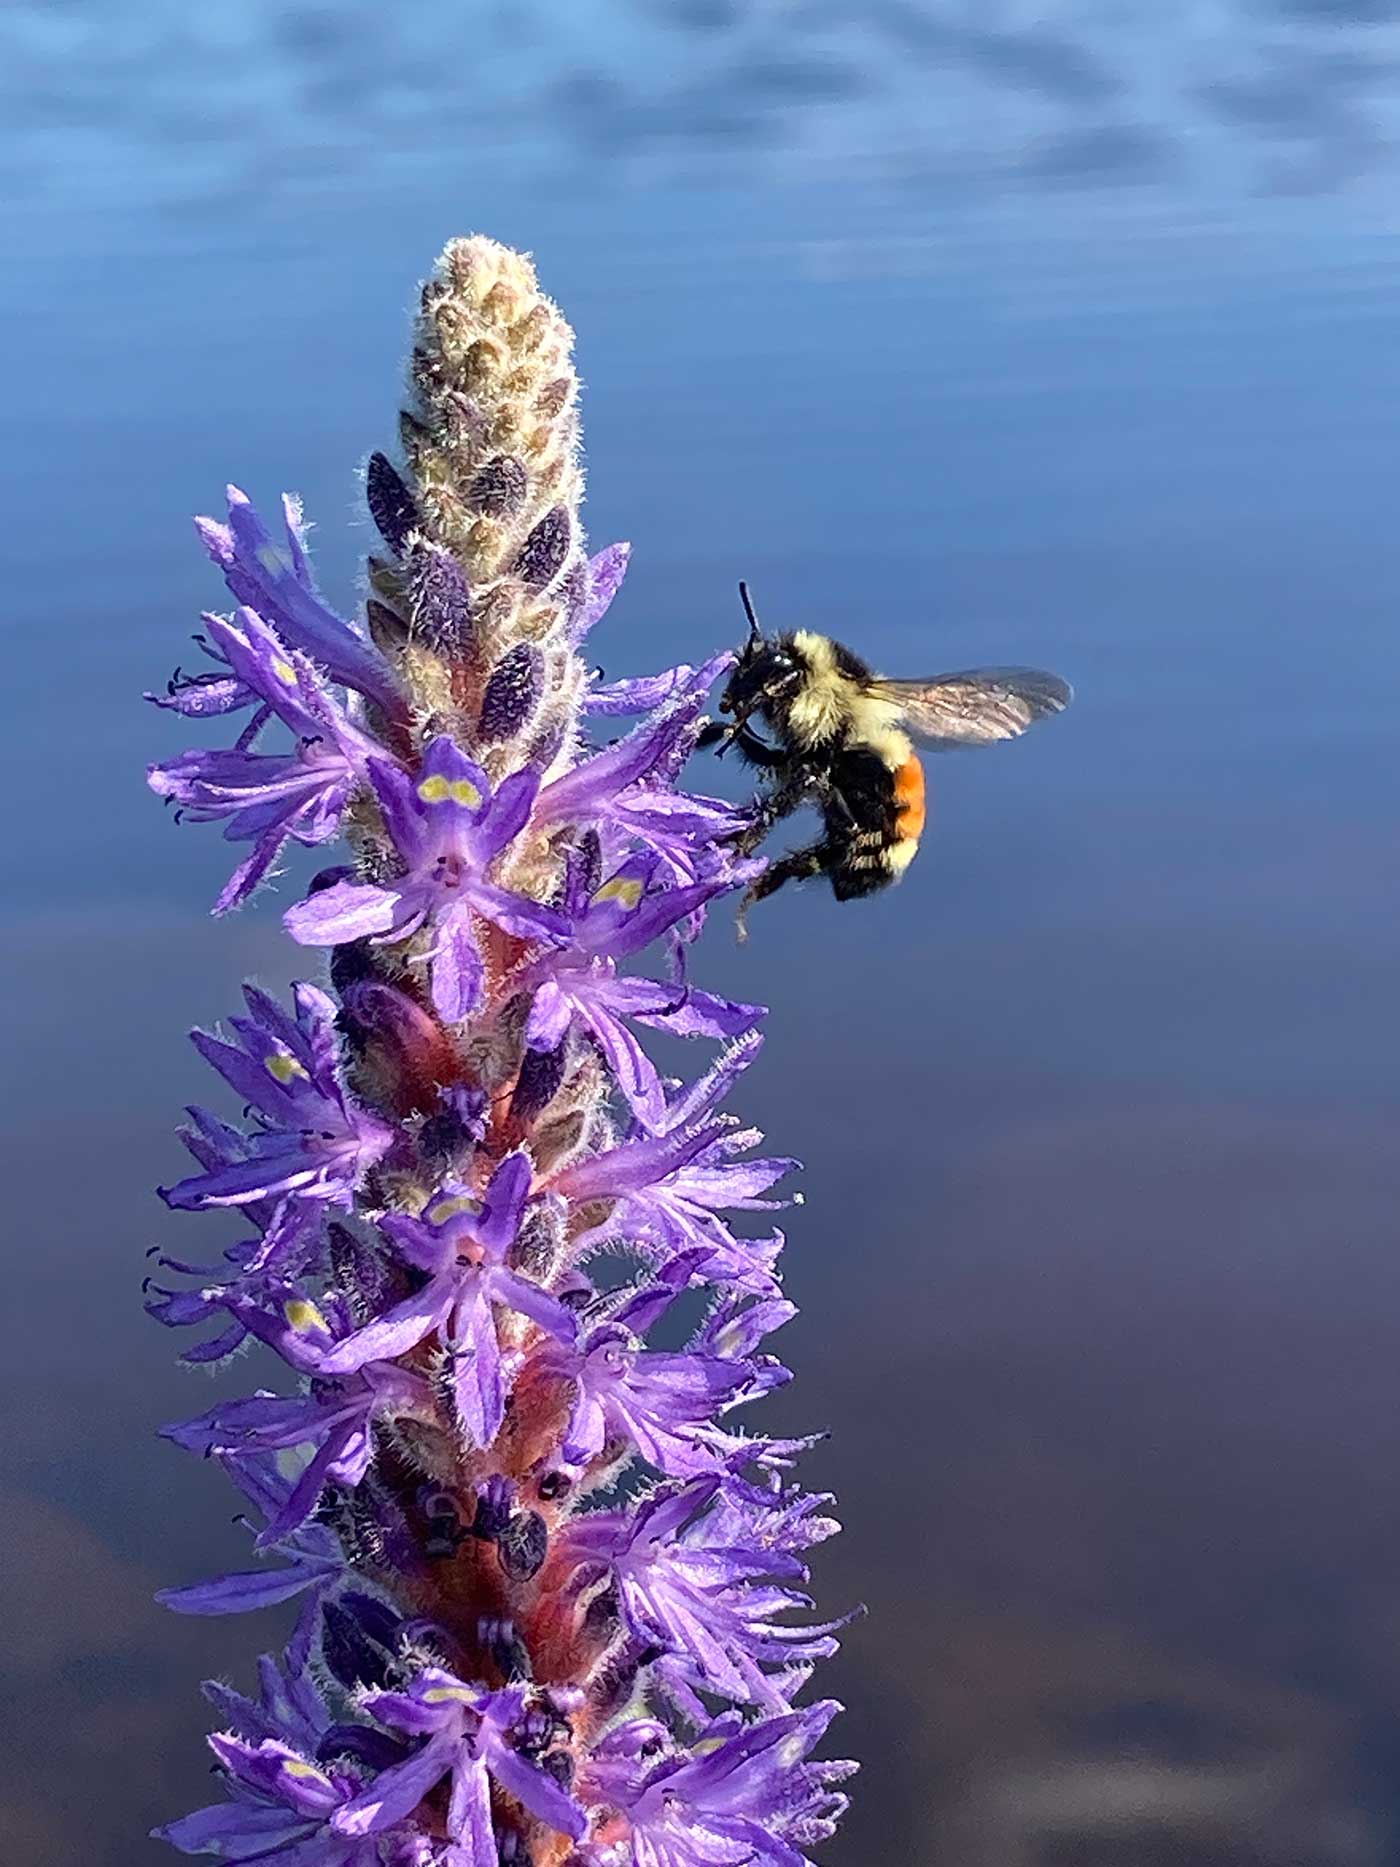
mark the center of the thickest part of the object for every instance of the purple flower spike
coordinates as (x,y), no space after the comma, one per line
(471,1208)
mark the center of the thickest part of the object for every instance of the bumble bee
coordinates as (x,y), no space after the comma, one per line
(843,744)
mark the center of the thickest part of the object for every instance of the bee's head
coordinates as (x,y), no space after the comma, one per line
(768,673)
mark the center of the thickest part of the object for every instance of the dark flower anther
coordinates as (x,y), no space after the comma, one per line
(494,1504)
(503,1640)
(545,548)
(523,1545)
(512,693)
(350,1651)
(390,502)
(541,1074)
(498,488)
(440,600)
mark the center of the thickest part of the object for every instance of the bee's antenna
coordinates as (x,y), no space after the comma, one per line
(755,633)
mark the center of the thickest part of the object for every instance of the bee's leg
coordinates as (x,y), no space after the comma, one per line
(770,807)
(757,751)
(796,866)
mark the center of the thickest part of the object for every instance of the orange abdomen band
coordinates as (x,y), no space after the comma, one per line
(909,797)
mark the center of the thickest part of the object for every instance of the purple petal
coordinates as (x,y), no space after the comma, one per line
(606,570)
(550,1017)
(404,812)
(689,1013)
(347,911)
(457,969)
(526,919)
(325,1464)
(635,1072)
(249,874)
(451,787)
(234,1830)
(542,1308)
(469,1814)
(396,1793)
(244,1592)
(638,695)
(391,1334)
(537,1790)
(586,1431)
(508,813)
(503,1203)
(477,1381)
(273,579)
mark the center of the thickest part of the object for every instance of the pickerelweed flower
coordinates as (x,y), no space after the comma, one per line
(549,1596)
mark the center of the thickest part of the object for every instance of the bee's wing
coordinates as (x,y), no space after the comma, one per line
(977,706)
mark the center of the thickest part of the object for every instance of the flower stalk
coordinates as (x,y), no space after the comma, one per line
(545,1578)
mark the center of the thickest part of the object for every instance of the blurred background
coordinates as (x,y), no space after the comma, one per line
(968,332)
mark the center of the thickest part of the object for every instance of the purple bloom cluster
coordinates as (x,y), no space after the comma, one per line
(546,1583)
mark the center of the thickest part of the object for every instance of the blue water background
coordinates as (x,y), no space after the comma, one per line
(966,335)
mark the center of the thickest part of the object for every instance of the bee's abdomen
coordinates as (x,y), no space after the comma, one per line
(910,807)
(873,831)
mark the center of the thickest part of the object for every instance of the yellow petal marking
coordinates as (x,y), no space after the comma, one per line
(624,888)
(285,672)
(447,1209)
(305,1771)
(303,1314)
(440,790)
(282,1068)
(448,1695)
